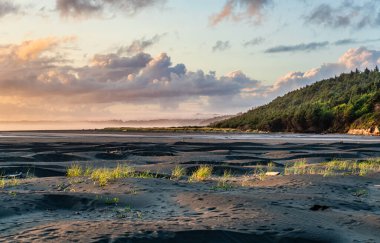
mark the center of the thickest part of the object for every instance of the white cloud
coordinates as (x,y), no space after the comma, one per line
(360,58)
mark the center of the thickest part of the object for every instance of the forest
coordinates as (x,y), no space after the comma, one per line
(349,101)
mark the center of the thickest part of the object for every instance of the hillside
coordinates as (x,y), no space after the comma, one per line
(350,102)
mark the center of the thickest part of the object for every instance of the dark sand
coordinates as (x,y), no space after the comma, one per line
(313,208)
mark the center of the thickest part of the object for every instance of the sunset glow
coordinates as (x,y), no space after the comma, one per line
(131,60)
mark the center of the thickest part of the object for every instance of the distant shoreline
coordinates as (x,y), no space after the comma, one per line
(186,130)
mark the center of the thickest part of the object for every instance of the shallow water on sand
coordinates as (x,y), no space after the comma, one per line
(279,137)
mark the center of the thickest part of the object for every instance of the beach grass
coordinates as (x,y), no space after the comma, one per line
(102,176)
(146,174)
(260,172)
(178,172)
(112,201)
(334,167)
(202,173)
(9,182)
(271,166)
(74,170)
(223,182)
(2,183)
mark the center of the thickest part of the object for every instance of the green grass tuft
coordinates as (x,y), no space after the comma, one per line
(101,176)
(178,172)
(202,173)
(111,201)
(223,183)
(9,182)
(74,170)
(334,168)
(2,183)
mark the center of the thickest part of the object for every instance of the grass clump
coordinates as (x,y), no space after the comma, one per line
(298,168)
(223,183)
(260,173)
(145,175)
(2,183)
(14,182)
(9,182)
(361,192)
(87,171)
(202,173)
(103,176)
(334,168)
(261,170)
(271,166)
(111,201)
(178,172)
(74,170)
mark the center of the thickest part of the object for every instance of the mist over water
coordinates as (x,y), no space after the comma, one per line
(44,126)
(28,126)
(85,125)
(281,138)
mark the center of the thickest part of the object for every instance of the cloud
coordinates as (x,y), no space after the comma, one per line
(33,50)
(110,78)
(140,45)
(250,9)
(88,8)
(353,41)
(7,7)
(221,46)
(254,42)
(312,46)
(360,58)
(34,80)
(345,42)
(346,15)
(300,47)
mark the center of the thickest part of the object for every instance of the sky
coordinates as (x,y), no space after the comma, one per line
(154,59)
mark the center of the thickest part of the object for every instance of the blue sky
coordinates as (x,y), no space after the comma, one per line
(258,49)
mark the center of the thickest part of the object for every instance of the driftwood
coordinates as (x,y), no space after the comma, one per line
(272,173)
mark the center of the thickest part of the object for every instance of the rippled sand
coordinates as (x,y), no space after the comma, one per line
(298,208)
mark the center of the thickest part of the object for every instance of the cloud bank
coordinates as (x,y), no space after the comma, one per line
(34,79)
(27,70)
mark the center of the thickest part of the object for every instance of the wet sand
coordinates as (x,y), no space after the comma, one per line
(298,208)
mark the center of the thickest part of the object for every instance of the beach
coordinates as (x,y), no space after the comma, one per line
(47,205)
